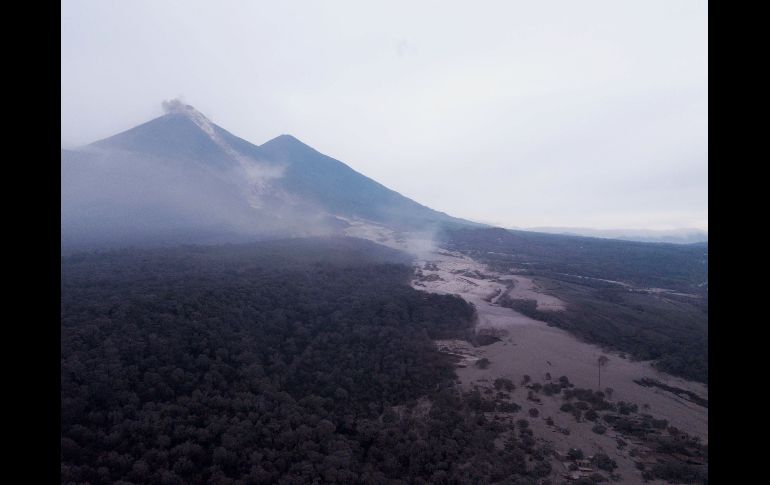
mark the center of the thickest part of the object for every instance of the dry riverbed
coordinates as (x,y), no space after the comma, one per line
(531,348)
(527,347)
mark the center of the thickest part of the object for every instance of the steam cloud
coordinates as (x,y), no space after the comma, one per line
(175,106)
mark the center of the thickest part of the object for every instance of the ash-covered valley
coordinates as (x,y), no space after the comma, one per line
(240,313)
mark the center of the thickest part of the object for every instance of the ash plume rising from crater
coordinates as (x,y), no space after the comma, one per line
(174,106)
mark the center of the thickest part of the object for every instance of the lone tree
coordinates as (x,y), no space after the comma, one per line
(602,362)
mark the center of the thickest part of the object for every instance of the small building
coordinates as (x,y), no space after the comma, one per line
(576,475)
(561,455)
(583,463)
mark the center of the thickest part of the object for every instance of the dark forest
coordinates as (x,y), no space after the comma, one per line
(299,361)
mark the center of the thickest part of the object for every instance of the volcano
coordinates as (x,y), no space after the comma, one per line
(181,177)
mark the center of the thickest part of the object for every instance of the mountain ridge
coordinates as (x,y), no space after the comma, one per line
(284,180)
(673,236)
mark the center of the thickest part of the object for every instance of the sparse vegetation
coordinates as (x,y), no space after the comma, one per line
(577,414)
(503,383)
(587,398)
(626,408)
(508,407)
(689,395)
(678,472)
(634,322)
(550,389)
(575,454)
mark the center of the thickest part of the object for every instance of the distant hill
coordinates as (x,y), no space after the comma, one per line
(682,267)
(674,236)
(182,177)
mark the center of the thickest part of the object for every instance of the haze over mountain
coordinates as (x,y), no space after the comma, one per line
(180,176)
(675,236)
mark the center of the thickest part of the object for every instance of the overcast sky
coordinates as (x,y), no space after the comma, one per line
(521,114)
